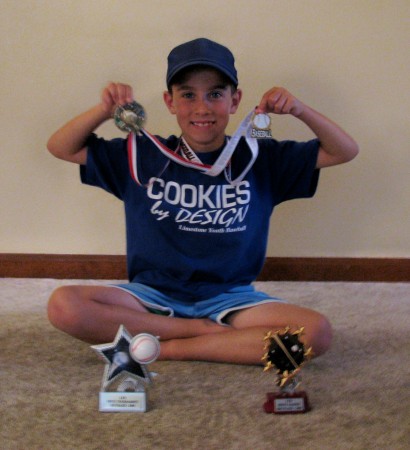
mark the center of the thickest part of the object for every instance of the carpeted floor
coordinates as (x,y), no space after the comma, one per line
(359,391)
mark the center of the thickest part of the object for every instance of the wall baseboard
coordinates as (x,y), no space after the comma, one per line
(113,267)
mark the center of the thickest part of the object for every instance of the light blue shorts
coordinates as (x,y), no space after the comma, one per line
(215,308)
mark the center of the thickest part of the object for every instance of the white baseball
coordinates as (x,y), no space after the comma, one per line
(144,348)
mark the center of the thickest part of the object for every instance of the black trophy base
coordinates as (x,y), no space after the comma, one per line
(287,403)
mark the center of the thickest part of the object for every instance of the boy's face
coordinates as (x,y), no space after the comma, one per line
(202,104)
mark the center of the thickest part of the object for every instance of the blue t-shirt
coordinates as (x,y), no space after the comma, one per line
(190,235)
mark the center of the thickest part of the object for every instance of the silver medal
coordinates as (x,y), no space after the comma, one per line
(261,126)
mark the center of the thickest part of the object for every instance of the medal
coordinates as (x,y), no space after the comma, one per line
(261,126)
(185,156)
(130,117)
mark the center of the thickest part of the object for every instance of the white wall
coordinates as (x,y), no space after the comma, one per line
(347,58)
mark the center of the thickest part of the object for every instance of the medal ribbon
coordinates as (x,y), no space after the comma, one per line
(191,160)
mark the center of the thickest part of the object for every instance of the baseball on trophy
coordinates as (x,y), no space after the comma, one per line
(144,348)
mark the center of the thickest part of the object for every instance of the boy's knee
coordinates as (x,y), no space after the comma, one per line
(60,308)
(321,335)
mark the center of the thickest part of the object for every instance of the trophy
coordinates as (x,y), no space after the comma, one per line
(126,374)
(130,117)
(285,353)
(261,126)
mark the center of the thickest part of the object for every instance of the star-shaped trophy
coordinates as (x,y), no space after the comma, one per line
(285,353)
(126,374)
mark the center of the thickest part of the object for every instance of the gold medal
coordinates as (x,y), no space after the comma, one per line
(130,117)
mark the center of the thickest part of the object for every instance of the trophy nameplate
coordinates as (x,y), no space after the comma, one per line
(123,402)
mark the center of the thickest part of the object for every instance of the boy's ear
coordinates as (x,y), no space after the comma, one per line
(169,101)
(236,99)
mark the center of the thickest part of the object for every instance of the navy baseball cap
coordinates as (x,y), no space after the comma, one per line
(202,52)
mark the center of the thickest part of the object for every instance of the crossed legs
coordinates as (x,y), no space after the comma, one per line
(94,313)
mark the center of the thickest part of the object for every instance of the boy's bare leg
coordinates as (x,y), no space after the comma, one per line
(94,314)
(243,342)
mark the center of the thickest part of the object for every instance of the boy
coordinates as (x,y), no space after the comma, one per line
(195,242)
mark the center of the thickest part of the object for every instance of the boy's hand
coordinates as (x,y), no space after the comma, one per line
(279,101)
(116,94)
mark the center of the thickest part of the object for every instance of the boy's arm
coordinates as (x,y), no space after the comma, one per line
(69,142)
(336,146)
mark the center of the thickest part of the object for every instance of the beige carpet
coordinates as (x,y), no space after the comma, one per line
(359,391)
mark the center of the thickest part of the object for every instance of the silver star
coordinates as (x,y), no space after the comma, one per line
(118,360)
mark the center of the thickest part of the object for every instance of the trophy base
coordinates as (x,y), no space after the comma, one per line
(123,402)
(287,403)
